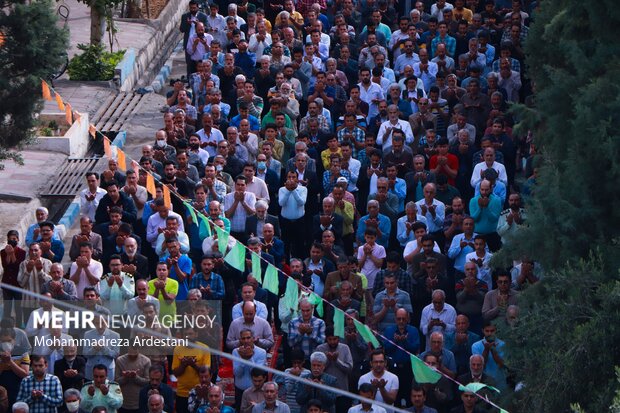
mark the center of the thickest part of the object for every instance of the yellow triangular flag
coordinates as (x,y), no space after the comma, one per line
(106,147)
(120,158)
(45,90)
(61,105)
(92,130)
(68,113)
(167,201)
(150,185)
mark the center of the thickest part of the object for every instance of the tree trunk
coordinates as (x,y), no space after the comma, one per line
(134,9)
(97,26)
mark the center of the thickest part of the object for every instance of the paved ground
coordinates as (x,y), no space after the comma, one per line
(20,185)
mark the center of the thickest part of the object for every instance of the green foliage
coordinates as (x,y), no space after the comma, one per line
(94,63)
(615,406)
(565,346)
(573,58)
(33,48)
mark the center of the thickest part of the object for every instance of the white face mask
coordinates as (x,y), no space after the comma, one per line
(161,143)
(73,406)
(7,347)
(219,168)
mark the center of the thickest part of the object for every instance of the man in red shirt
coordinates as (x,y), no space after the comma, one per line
(11,256)
(444,163)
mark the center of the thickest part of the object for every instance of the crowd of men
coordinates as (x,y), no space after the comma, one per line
(365,149)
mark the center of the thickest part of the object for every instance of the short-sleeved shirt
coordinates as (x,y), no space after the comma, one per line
(172,287)
(390,378)
(369,269)
(189,378)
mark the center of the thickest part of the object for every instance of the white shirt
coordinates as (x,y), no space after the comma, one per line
(261,310)
(155,222)
(373,92)
(373,409)
(259,188)
(400,124)
(325,39)
(447,315)
(215,137)
(433,224)
(354,170)
(482,166)
(390,378)
(484,271)
(88,208)
(202,154)
(259,47)
(96,270)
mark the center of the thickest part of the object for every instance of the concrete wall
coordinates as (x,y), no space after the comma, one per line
(74,142)
(167,23)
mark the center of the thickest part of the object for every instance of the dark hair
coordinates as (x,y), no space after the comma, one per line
(100,367)
(49,224)
(366,388)
(91,173)
(393,257)
(257,372)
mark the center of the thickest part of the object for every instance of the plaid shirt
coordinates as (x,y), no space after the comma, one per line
(215,282)
(304,6)
(51,398)
(307,342)
(358,134)
(220,191)
(328,184)
(514,65)
(450,43)
(405,282)
(190,111)
(323,123)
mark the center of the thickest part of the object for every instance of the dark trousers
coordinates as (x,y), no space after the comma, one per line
(405,380)
(181,405)
(292,236)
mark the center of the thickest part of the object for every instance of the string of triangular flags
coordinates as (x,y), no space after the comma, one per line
(237,255)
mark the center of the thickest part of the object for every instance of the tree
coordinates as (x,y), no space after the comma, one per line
(32,48)
(565,348)
(100,12)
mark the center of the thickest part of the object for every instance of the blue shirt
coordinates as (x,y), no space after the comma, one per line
(447,358)
(307,342)
(215,282)
(411,344)
(246,62)
(457,253)
(292,202)
(243,379)
(402,301)
(185,264)
(490,366)
(499,189)
(254,122)
(485,219)
(385,227)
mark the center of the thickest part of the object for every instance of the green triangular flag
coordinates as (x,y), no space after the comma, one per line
(316,301)
(191,212)
(236,257)
(366,334)
(270,282)
(204,230)
(291,295)
(222,241)
(423,373)
(339,322)
(476,387)
(256,268)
